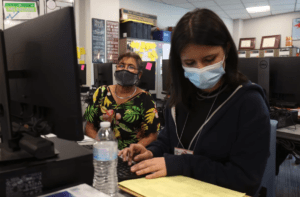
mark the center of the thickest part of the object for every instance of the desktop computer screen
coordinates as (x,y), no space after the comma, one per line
(103,74)
(284,79)
(248,66)
(43,75)
(147,81)
(5,122)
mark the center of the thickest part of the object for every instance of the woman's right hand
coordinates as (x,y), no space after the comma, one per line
(137,152)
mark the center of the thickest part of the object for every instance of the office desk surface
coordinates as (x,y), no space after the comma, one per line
(289,133)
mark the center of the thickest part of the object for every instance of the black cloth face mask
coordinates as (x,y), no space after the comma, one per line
(126,78)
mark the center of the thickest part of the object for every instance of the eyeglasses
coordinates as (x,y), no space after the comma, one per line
(128,67)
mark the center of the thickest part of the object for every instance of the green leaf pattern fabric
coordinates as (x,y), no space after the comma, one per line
(132,121)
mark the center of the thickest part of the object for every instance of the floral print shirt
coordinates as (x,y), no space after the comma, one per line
(132,120)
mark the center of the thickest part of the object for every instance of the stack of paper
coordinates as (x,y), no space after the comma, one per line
(175,186)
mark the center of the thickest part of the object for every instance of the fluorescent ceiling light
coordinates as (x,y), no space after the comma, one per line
(258,9)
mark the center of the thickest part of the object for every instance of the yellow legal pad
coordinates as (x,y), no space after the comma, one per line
(175,186)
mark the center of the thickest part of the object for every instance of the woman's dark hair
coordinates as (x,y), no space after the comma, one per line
(134,56)
(200,27)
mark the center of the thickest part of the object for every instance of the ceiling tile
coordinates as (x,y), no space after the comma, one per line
(215,8)
(283,7)
(240,11)
(285,2)
(186,5)
(192,1)
(172,2)
(238,14)
(159,1)
(255,4)
(227,2)
(232,6)
(255,15)
(281,11)
(252,1)
(221,13)
(279,1)
(205,4)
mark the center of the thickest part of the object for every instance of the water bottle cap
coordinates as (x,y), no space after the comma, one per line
(105,124)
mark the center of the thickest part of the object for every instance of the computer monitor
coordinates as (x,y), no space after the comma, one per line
(5,122)
(82,74)
(257,70)
(43,76)
(165,64)
(103,74)
(248,66)
(284,79)
(147,81)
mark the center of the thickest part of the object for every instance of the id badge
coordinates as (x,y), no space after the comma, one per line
(181,151)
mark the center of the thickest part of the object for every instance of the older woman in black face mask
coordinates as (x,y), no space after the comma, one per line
(130,109)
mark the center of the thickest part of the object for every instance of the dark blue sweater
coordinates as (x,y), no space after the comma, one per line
(233,146)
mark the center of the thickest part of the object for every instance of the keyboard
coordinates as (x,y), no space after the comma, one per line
(123,170)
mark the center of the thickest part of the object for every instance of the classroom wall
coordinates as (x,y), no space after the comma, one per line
(99,9)
(167,15)
(237,31)
(271,25)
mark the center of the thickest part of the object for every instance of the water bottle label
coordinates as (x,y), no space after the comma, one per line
(102,154)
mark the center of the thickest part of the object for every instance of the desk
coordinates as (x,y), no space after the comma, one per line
(289,133)
(290,136)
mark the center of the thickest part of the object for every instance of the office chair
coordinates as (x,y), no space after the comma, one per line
(267,187)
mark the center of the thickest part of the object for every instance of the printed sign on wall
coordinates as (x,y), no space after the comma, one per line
(98,40)
(112,41)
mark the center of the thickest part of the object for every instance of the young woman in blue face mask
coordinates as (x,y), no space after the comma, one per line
(217,123)
(130,109)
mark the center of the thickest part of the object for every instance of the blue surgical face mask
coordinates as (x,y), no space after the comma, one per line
(207,77)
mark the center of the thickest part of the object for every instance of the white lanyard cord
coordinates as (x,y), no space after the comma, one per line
(201,126)
(182,131)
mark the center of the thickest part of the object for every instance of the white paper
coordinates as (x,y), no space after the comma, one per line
(82,190)
(268,42)
(242,55)
(20,13)
(166,51)
(86,141)
(246,43)
(269,54)
(284,53)
(49,135)
(254,54)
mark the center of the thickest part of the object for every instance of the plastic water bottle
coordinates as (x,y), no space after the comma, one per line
(105,161)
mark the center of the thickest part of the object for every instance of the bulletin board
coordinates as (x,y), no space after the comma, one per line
(146,50)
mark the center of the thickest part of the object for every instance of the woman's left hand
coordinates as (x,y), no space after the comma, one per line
(156,166)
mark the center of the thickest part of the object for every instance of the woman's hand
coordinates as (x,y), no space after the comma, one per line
(108,116)
(156,166)
(137,152)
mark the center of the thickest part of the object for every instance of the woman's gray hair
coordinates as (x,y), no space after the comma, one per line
(135,56)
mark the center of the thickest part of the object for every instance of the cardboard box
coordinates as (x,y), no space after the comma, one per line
(129,15)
